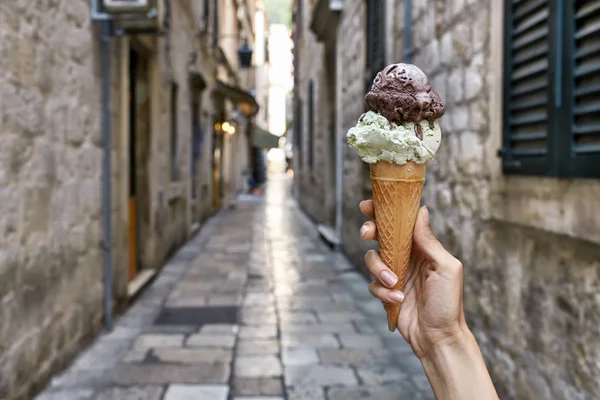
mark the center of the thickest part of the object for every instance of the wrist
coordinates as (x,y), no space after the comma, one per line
(456,370)
(460,342)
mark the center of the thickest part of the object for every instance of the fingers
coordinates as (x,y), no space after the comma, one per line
(379,270)
(426,242)
(367,208)
(384,294)
(368,231)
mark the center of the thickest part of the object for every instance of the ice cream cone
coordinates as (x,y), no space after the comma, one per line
(397,195)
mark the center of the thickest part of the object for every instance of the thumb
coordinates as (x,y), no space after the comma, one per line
(425,241)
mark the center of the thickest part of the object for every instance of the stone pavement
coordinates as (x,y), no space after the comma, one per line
(257,307)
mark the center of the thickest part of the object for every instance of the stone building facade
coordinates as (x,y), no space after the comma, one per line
(530,245)
(173,164)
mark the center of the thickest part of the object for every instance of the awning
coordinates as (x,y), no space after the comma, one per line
(264,139)
(242,99)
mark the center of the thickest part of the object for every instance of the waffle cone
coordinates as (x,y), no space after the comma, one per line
(397,195)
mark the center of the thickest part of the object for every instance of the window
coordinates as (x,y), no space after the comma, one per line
(552,88)
(311,124)
(174,138)
(375,39)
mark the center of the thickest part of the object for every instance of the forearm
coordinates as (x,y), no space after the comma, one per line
(456,370)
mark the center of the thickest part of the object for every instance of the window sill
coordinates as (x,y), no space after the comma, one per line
(560,206)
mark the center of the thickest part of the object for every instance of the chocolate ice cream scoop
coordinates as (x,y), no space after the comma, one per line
(402,93)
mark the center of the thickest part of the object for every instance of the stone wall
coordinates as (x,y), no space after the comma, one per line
(530,245)
(51,259)
(312,178)
(50,185)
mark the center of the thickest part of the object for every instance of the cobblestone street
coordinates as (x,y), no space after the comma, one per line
(256,306)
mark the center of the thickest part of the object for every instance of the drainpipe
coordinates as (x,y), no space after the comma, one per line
(105,40)
(407,31)
(339,151)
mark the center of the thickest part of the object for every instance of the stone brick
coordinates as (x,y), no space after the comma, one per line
(319,376)
(381,375)
(257,346)
(291,357)
(193,355)
(370,392)
(131,393)
(162,374)
(257,366)
(189,392)
(158,341)
(324,341)
(257,387)
(201,340)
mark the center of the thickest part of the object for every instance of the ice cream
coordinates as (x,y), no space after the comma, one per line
(401,124)
(397,136)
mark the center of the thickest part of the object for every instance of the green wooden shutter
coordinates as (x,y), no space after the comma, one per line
(585,85)
(528,91)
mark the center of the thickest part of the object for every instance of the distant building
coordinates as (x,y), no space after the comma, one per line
(514,189)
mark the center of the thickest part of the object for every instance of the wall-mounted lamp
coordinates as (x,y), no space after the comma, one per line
(225,127)
(244,52)
(245,55)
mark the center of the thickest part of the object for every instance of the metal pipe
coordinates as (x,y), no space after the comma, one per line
(339,154)
(408,31)
(106,174)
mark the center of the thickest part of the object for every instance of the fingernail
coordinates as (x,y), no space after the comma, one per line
(396,296)
(364,230)
(388,278)
(426,214)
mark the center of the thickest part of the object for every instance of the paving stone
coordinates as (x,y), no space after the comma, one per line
(220,328)
(258,332)
(319,328)
(184,301)
(194,355)
(224,300)
(201,340)
(374,393)
(319,376)
(258,398)
(332,317)
(322,341)
(291,357)
(69,394)
(382,374)
(257,386)
(305,392)
(298,318)
(162,374)
(257,346)
(131,393)
(151,341)
(257,366)
(351,341)
(197,392)
(136,355)
(104,354)
(355,357)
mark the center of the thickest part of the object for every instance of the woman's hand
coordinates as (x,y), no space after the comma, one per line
(431,311)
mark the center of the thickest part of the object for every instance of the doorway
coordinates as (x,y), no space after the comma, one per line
(139,150)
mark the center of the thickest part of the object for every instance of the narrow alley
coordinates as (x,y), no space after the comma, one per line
(255,306)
